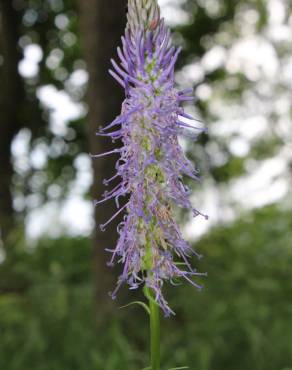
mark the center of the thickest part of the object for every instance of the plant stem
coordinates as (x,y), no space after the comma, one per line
(154,334)
(154,317)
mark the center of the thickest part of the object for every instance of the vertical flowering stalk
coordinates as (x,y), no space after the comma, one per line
(151,163)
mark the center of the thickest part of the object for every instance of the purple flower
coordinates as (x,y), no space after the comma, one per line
(151,163)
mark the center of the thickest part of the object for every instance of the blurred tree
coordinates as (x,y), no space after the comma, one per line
(11,106)
(52,27)
(236,54)
(101,30)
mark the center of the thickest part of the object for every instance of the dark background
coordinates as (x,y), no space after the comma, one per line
(55,313)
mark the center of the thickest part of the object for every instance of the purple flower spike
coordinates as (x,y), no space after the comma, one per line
(152,163)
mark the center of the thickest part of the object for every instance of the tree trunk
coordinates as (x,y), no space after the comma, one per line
(11,96)
(102,23)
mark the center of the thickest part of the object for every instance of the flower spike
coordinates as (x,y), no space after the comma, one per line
(152,163)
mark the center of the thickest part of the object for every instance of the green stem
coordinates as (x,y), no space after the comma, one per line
(154,334)
(154,315)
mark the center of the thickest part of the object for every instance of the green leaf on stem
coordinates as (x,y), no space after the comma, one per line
(148,295)
(139,303)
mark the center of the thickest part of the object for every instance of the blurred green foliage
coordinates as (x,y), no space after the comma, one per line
(242,319)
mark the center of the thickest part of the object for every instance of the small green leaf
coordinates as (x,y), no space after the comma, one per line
(148,295)
(139,303)
(147,368)
(179,368)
